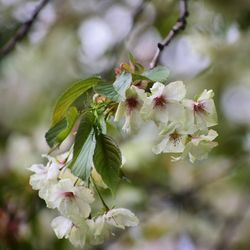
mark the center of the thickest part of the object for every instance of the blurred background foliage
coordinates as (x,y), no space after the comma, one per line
(182,206)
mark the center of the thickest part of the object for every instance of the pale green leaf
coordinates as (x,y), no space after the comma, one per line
(122,83)
(70,95)
(157,74)
(81,165)
(109,91)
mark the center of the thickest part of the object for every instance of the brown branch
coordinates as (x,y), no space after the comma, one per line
(179,25)
(22,31)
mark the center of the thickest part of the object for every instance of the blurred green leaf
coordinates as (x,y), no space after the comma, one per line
(122,83)
(70,95)
(157,74)
(109,91)
(108,160)
(61,130)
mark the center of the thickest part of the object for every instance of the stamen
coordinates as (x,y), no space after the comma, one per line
(175,137)
(132,103)
(68,194)
(160,101)
(199,107)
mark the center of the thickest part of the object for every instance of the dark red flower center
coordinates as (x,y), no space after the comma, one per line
(68,194)
(175,137)
(199,107)
(132,103)
(160,101)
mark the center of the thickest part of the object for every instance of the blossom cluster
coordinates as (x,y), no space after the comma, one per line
(183,124)
(68,194)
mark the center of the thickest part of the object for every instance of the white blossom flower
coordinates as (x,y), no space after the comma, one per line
(65,228)
(71,201)
(100,227)
(164,103)
(98,230)
(44,177)
(130,109)
(199,146)
(201,113)
(172,139)
(121,218)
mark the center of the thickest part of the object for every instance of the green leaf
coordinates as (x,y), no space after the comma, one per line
(122,83)
(108,160)
(157,74)
(109,91)
(70,95)
(131,58)
(85,127)
(140,77)
(57,134)
(81,165)
(84,147)
(138,68)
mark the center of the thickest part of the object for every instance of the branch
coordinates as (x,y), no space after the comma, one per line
(22,31)
(179,25)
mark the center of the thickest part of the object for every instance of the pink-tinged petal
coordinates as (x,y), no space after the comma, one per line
(53,172)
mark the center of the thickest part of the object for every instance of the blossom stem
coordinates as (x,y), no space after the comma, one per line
(100,196)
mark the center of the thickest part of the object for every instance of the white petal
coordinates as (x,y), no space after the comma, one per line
(161,115)
(38,168)
(37,181)
(206,94)
(175,91)
(53,172)
(147,109)
(121,217)
(77,237)
(160,147)
(98,230)
(121,110)
(65,173)
(157,89)
(132,122)
(175,112)
(188,103)
(140,93)
(175,146)
(61,226)
(69,208)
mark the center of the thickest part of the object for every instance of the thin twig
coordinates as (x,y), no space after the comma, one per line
(179,25)
(22,31)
